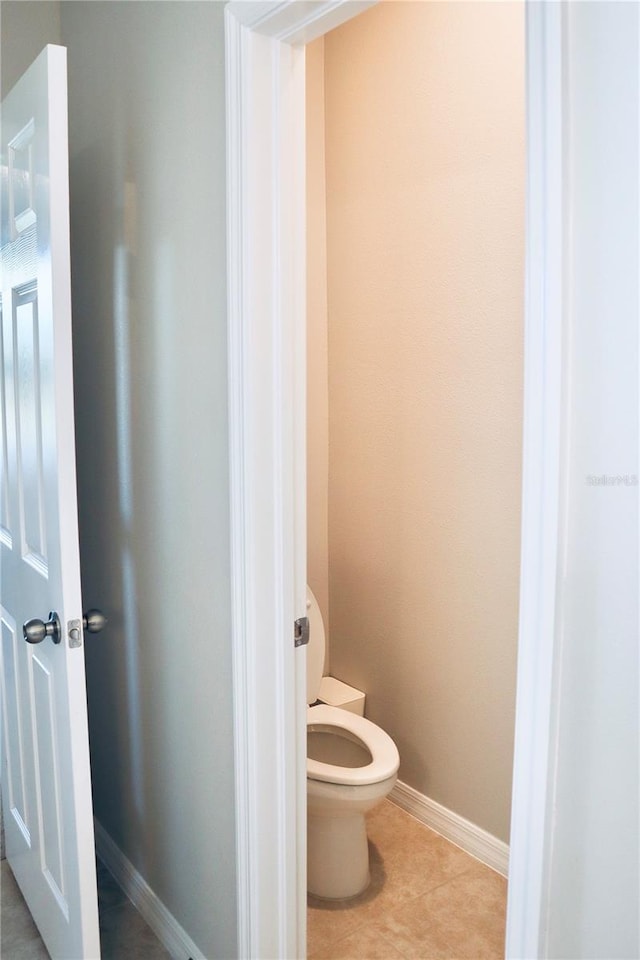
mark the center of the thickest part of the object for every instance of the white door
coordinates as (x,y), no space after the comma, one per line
(46,787)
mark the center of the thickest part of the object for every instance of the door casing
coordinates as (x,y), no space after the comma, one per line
(267,359)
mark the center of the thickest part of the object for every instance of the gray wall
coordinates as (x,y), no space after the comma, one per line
(25,28)
(594,849)
(147,171)
(146,109)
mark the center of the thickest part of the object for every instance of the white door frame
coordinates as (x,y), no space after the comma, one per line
(267,361)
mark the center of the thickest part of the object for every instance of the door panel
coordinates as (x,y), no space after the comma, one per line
(5,517)
(46,777)
(14,786)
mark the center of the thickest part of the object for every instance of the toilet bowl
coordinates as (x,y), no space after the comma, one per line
(352,764)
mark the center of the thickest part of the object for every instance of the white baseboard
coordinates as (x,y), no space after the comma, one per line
(466,835)
(165,926)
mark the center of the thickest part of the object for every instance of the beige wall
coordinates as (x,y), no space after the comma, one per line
(317,339)
(425,218)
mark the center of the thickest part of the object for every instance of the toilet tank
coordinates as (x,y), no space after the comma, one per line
(315,648)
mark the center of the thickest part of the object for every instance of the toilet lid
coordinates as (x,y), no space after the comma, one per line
(385,759)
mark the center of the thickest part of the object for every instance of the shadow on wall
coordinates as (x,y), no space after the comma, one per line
(105,405)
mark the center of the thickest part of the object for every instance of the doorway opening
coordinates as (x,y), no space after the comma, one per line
(266,233)
(415,232)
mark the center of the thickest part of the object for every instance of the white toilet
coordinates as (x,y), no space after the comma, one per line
(351,766)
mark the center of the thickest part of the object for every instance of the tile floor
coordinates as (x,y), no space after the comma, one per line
(123,932)
(428,900)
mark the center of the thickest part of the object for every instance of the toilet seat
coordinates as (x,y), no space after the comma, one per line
(384,753)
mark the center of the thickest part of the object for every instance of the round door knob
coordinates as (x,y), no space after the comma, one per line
(35,631)
(94,621)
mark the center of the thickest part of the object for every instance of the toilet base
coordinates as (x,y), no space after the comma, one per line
(337,856)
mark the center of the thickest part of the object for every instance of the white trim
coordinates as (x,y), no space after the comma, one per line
(264,108)
(266,344)
(542,466)
(165,926)
(466,835)
(296,23)
(269,803)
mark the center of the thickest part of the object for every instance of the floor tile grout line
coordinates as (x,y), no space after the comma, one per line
(382,936)
(421,834)
(402,902)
